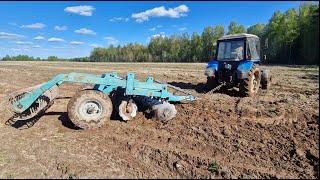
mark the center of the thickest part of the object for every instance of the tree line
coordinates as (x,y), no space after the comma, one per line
(288,38)
(50,58)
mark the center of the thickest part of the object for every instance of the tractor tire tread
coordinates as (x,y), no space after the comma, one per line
(245,85)
(211,83)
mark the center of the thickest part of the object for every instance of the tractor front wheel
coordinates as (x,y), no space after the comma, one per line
(212,82)
(89,109)
(250,86)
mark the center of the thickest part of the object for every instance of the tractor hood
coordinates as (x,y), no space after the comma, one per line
(213,64)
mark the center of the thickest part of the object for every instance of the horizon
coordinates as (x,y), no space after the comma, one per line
(73,29)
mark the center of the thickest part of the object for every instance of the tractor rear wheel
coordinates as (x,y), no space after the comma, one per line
(90,109)
(250,86)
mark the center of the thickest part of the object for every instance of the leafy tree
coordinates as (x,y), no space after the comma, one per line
(22,58)
(53,58)
(7,58)
(196,47)
(274,36)
(308,41)
(234,28)
(290,31)
(257,29)
(209,37)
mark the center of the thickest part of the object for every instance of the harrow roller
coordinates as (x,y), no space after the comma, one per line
(40,105)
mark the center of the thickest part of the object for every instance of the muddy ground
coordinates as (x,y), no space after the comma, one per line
(221,135)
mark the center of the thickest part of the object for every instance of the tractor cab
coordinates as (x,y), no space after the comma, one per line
(238,47)
(237,56)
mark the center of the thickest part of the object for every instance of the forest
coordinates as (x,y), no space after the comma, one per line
(291,37)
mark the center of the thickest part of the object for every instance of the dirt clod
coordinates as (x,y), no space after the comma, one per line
(300,153)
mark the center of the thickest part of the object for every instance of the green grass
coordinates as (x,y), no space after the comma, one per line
(213,167)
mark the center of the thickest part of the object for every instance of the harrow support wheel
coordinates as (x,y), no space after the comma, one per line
(90,109)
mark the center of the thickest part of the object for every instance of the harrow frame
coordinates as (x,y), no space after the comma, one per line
(105,83)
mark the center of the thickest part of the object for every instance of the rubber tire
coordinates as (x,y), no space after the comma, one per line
(266,83)
(211,83)
(92,95)
(246,85)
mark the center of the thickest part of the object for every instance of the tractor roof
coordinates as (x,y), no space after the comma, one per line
(241,35)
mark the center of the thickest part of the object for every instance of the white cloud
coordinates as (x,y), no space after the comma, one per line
(5,35)
(64,47)
(54,39)
(18,49)
(23,42)
(80,10)
(36,46)
(85,31)
(161,11)
(95,45)
(111,40)
(161,34)
(117,19)
(15,49)
(39,38)
(76,43)
(182,29)
(60,28)
(154,28)
(34,26)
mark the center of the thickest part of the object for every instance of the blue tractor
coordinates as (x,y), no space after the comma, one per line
(237,65)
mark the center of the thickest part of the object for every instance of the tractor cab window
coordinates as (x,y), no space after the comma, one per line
(253,49)
(230,50)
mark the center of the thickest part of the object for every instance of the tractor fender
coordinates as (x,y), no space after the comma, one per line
(243,68)
(212,67)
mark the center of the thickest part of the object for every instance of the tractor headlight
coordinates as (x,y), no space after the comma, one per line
(227,66)
(209,72)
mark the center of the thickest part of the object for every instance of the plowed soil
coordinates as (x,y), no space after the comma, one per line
(220,135)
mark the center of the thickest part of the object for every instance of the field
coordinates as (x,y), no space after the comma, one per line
(221,135)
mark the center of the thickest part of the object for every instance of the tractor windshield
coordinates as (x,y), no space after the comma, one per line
(230,50)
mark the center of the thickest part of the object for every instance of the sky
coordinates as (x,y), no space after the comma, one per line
(73,29)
